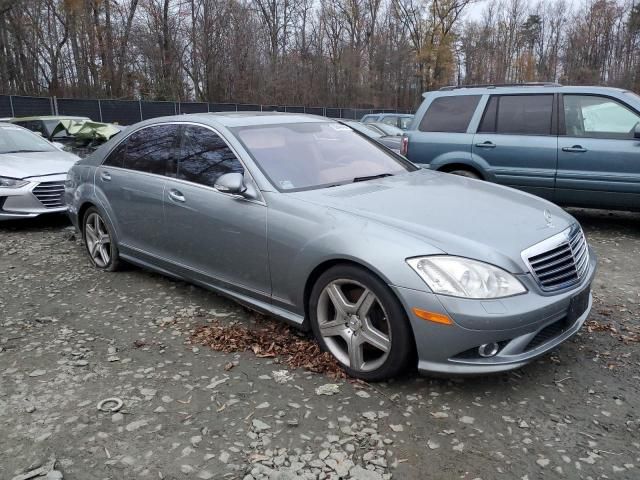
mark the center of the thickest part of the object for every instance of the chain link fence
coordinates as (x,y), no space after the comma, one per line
(127,112)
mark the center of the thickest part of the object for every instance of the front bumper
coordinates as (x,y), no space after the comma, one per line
(524,326)
(19,203)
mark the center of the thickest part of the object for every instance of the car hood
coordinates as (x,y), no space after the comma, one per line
(456,215)
(35,164)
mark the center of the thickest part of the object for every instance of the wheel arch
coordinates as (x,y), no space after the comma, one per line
(312,278)
(82,211)
(326,265)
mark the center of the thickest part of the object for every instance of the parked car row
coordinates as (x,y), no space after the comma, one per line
(322,223)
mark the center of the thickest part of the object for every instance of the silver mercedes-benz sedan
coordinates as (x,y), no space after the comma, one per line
(32,174)
(301,217)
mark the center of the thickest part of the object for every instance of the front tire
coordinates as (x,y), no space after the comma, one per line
(99,241)
(359,320)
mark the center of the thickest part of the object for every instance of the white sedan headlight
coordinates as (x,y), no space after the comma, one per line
(6,182)
(463,277)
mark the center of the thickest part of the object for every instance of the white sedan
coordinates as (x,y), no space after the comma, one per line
(32,174)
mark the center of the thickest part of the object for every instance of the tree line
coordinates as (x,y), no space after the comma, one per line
(365,53)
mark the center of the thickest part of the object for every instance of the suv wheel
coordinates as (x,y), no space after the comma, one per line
(466,173)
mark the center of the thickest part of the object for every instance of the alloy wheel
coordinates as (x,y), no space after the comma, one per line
(354,325)
(98,240)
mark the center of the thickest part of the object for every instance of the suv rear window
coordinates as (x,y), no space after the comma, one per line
(518,114)
(449,114)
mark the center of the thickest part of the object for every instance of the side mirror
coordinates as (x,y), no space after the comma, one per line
(232,183)
(636,131)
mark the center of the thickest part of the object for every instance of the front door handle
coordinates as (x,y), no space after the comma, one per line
(105,176)
(176,195)
(574,149)
(486,144)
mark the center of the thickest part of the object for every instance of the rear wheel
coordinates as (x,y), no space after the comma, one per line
(465,173)
(358,319)
(99,242)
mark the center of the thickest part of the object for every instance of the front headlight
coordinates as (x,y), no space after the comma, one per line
(463,277)
(6,182)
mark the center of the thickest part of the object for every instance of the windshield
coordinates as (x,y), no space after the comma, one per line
(17,140)
(405,122)
(311,155)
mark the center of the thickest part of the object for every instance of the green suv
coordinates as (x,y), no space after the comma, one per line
(575,146)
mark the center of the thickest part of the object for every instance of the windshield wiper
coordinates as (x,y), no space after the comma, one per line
(372,177)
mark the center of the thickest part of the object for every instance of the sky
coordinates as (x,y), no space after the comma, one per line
(474,11)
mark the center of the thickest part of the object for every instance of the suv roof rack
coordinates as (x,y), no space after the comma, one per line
(497,85)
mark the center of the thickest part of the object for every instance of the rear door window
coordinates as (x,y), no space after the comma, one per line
(449,114)
(204,156)
(518,115)
(149,149)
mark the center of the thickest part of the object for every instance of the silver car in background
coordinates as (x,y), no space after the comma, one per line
(32,174)
(300,217)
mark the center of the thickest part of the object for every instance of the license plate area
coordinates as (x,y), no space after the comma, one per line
(578,305)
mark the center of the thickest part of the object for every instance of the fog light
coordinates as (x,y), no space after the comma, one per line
(488,349)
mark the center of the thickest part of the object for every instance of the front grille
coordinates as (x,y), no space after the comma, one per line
(50,194)
(560,261)
(548,333)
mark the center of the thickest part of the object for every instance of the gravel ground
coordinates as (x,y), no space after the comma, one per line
(72,336)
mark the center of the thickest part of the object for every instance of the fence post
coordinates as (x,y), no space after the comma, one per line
(140,108)
(13,112)
(100,110)
(54,105)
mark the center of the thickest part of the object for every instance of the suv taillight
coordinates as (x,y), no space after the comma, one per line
(404,146)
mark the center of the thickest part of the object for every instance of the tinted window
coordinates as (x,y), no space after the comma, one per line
(488,123)
(204,156)
(149,149)
(524,114)
(600,117)
(393,121)
(450,114)
(116,157)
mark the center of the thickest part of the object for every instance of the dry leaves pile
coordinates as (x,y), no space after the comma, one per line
(631,335)
(269,339)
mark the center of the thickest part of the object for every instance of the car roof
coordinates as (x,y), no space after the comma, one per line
(519,89)
(240,119)
(49,117)
(389,115)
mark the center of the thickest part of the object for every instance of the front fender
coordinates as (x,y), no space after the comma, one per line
(330,238)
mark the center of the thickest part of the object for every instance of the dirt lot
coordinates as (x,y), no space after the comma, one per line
(71,336)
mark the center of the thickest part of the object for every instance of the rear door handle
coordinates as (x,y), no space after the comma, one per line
(176,195)
(574,149)
(105,176)
(486,144)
